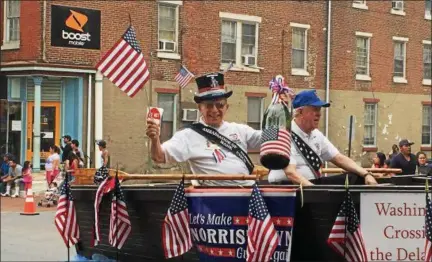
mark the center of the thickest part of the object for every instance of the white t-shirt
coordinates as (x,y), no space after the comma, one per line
(207,158)
(319,144)
(50,160)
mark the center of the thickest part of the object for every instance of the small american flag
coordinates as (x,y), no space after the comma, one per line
(346,237)
(124,64)
(228,68)
(120,225)
(428,229)
(275,141)
(106,186)
(262,235)
(65,217)
(175,229)
(183,77)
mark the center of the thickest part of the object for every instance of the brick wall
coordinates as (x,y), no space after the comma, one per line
(30,33)
(383,25)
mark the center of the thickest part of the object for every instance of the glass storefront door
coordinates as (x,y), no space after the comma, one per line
(10,128)
(50,128)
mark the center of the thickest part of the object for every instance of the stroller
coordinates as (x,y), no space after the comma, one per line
(51,195)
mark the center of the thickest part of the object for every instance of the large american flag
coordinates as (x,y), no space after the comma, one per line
(276,141)
(65,217)
(120,225)
(428,229)
(262,235)
(176,236)
(183,77)
(124,64)
(346,237)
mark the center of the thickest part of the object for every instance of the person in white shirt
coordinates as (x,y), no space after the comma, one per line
(304,164)
(203,155)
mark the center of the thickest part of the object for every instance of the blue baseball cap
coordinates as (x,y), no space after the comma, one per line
(308,98)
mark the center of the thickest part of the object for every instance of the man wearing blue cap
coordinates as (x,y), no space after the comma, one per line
(310,147)
(211,146)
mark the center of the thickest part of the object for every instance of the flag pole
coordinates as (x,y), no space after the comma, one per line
(150,93)
(116,216)
(345,217)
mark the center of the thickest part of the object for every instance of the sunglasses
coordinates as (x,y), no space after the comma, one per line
(218,105)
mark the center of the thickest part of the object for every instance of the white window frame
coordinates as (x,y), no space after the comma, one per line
(368,36)
(404,41)
(176,54)
(426,82)
(397,11)
(175,101)
(430,127)
(240,19)
(262,105)
(428,13)
(360,4)
(374,125)
(301,71)
(8,45)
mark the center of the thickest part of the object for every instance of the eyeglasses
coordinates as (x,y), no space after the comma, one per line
(218,105)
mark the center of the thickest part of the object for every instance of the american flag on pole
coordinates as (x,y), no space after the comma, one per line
(346,237)
(183,77)
(176,236)
(106,186)
(276,141)
(65,217)
(428,229)
(262,235)
(124,64)
(120,225)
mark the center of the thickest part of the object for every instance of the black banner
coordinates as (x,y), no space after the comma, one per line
(75,27)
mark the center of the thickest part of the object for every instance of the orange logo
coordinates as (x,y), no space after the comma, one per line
(76,21)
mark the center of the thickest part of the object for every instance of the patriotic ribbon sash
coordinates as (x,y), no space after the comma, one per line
(217,138)
(308,154)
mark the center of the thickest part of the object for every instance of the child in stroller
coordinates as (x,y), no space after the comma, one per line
(51,196)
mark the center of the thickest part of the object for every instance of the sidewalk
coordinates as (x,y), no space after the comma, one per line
(39,183)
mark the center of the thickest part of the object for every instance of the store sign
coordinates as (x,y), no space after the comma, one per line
(393,226)
(75,27)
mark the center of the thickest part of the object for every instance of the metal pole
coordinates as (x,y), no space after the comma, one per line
(7,127)
(350,135)
(37,124)
(89,114)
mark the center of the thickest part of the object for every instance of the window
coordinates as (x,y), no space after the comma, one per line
(255,112)
(167,102)
(427,54)
(426,125)
(239,41)
(12,20)
(369,138)
(399,64)
(397,7)
(363,56)
(299,55)
(360,4)
(168,30)
(428,4)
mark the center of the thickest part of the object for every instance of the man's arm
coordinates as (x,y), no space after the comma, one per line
(348,164)
(105,158)
(157,153)
(295,177)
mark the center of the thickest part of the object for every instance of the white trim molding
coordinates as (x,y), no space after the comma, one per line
(400,39)
(360,5)
(299,72)
(400,80)
(427,42)
(172,2)
(165,55)
(397,12)
(427,82)
(357,33)
(306,26)
(363,77)
(45,68)
(240,17)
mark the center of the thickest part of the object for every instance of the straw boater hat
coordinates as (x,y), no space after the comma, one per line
(211,87)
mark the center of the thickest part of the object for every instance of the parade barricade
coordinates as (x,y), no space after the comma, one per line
(385,212)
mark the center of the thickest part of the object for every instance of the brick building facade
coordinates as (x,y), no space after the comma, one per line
(262,38)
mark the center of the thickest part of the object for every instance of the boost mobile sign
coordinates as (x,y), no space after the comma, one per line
(75,27)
